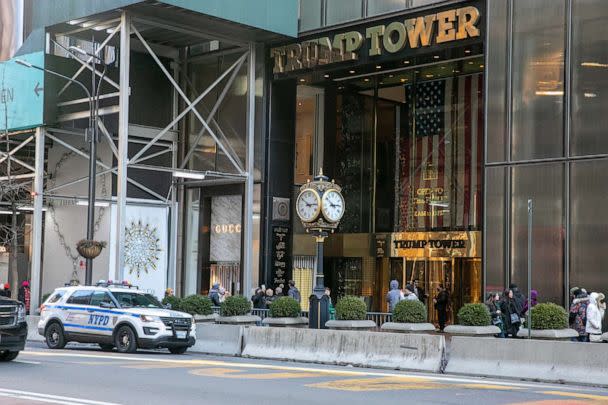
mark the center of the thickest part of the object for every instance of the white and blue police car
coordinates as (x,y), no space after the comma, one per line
(114,316)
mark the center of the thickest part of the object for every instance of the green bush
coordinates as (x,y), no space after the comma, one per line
(235,305)
(173,301)
(196,305)
(350,308)
(409,312)
(474,315)
(549,316)
(284,307)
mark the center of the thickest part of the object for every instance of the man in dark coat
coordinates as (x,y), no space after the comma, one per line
(214,295)
(519,298)
(441,305)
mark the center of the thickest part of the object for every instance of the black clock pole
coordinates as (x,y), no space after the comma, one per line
(318,312)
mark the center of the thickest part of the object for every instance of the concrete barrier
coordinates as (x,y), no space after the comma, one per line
(212,338)
(367,349)
(32,329)
(543,360)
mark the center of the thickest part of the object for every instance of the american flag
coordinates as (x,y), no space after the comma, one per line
(441,155)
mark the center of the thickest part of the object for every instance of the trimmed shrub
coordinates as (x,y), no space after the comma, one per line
(549,316)
(196,305)
(350,308)
(173,301)
(409,312)
(474,315)
(284,307)
(235,305)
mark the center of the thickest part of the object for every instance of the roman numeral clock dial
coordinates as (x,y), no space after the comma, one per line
(308,205)
(332,205)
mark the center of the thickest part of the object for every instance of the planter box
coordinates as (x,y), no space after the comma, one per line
(408,327)
(300,322)
(238,320)
(350,325)
(205,318)
(549,334)
(461,330)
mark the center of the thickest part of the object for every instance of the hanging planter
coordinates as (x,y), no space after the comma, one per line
(90,249)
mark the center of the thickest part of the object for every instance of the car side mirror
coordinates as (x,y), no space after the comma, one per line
(107,305)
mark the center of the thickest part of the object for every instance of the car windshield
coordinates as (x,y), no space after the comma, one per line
(136,300)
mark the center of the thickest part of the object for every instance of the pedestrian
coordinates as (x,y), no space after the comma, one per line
(7,290)
(223,294)
(169,292)
(511,313)
(420,293)
(441,302)
(493,304)
(214,295)
(393,296)
(595,316)
(332,310)
(519,297)
(578,314)
(533,299)
(258,299)
(24,295)
(2,292)
(278,292)
(269,297)
(293,291)
(573,292)
(409,294)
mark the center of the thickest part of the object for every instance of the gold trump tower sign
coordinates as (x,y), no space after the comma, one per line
(423,31)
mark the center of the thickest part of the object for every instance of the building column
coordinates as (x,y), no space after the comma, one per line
(38,195)
(123,144)
(247,282)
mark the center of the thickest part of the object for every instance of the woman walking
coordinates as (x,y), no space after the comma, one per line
(511,313)
(595,315)
(493,304)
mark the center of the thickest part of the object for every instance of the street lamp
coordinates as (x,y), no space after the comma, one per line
(92,138)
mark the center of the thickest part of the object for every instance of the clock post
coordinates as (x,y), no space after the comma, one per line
(320,206)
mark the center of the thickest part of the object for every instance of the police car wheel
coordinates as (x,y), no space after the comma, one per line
(125,340)
(54,336)
(106,347)
(8,356)
(178,350)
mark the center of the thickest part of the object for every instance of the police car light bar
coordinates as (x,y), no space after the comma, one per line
(110,283)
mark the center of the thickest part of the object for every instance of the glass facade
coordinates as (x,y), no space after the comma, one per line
(545,143)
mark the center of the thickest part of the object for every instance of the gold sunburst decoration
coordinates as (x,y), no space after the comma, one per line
(142,246)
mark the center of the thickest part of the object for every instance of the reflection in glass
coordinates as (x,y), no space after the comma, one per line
(538,78)
(589,225)
(589,77)
(310,15)
(544,184)
(191,241)
(495,230)
(339,11)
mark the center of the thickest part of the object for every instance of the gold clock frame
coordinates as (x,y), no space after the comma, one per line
(318,210)
(343,204)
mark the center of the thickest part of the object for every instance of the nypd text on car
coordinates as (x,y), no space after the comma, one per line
(114,316)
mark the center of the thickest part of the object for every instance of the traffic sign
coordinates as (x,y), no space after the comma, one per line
(21,93)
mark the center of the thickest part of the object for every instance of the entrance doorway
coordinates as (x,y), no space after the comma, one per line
(462,277)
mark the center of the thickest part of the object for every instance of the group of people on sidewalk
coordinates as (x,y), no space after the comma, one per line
(23,294)
(262,297)
(510,309)
(413,292)
(586,314)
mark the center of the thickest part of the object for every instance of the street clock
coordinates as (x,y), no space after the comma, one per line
(320,204)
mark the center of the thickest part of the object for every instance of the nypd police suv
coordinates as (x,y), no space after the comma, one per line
(113,315)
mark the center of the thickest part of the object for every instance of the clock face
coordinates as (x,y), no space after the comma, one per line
(308,205)
(332,205)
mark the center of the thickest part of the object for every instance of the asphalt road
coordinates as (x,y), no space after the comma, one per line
(84,375)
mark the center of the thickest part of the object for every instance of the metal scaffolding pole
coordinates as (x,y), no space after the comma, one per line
(248,211)
(123,143)
(38,196)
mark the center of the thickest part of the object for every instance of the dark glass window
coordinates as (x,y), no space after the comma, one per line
(495,228)
(99,297)
(80,297)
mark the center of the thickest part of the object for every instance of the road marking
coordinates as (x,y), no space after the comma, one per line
(54,399)
(576,395)
(26,362)
(216,363)
(379,384)
(238,374)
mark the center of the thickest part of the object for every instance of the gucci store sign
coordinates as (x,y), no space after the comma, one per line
(435,244)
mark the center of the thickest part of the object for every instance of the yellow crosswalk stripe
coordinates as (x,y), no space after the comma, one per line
(602,398)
